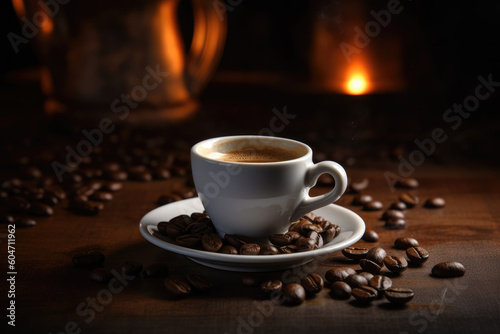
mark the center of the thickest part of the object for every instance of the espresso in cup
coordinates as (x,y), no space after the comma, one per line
(254,153)
(255,186)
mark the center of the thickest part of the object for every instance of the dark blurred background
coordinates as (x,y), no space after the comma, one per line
(288,53)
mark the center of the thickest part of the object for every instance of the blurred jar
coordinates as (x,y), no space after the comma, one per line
(123,56)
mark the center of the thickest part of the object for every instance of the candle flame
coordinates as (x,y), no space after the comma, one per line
(357,84)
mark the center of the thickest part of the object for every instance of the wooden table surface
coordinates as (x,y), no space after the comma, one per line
(54,296)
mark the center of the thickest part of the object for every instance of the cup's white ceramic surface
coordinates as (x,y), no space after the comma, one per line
(256,199)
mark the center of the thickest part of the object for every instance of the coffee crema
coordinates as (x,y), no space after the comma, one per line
(255,154)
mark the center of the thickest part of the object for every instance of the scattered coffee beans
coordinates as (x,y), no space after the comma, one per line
(448,269)
(373,206)
(23,223)
(355,253)
(177,286)
(101,275)
(340,290)
(312,283)
(395,224)
(435,203)
(271,286)
(370,266)
(401,206)
(377,255)
(355,281)
(407,183)
(366,275)
(390,214)
(338,274)
(409,199)
(251,279)
(398,295)
(395,264)
(198,282)
(380,282)
(364,294)
(293,294)
(361,199)
(370,236)
(417,254)
(405,243)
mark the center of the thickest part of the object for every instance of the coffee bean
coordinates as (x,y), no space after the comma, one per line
(251,279)
(370,266)
(234,240)
(271,287)
(355,281)
(211,242)
(90,259)
(373,206)
(101,275)
(355,253)
(17,204)
(390,214)
(370,236)
(32,173)
(200,228)
(177,286)
(293,294)
(168,198)
(330,232)
(448,269)
(366,275)
(399,295)
(293,235)
(110,166)
(359,185)
(22,223)
(361,199)
(131,268)
(435,203)
(306,244)
(377,255)
(143,176)
(395,264)
(395,224)
(288,249)
(364,294)
(409,199)
(171,229)
(198,282)
(227,249)
(112,186)
(312,283)
(340,290)
(380,282)
(280,239)
(407,183)
(184,220)
(401,206)
(195,216)
(268,250)
(49,199)
(41,209)
(6,219)
(81,207)
(57,192)
(161,173)
(156,270)
(338,274)
(188,240)
(101,196)
(417,254)
(250,249)
(116,176)
(405,243)
(317,238)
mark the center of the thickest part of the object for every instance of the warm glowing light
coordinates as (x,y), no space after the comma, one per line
(357,84)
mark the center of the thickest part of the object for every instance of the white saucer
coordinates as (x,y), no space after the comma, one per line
(352,229)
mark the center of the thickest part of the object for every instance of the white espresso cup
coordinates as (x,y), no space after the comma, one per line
(255,186)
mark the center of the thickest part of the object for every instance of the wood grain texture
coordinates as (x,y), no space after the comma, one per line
(51,290)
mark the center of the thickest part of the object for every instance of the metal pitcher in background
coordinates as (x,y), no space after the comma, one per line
(123,56)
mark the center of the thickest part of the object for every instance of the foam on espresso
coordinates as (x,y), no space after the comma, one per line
(261,153)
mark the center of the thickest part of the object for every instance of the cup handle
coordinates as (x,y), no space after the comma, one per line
(312,203)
